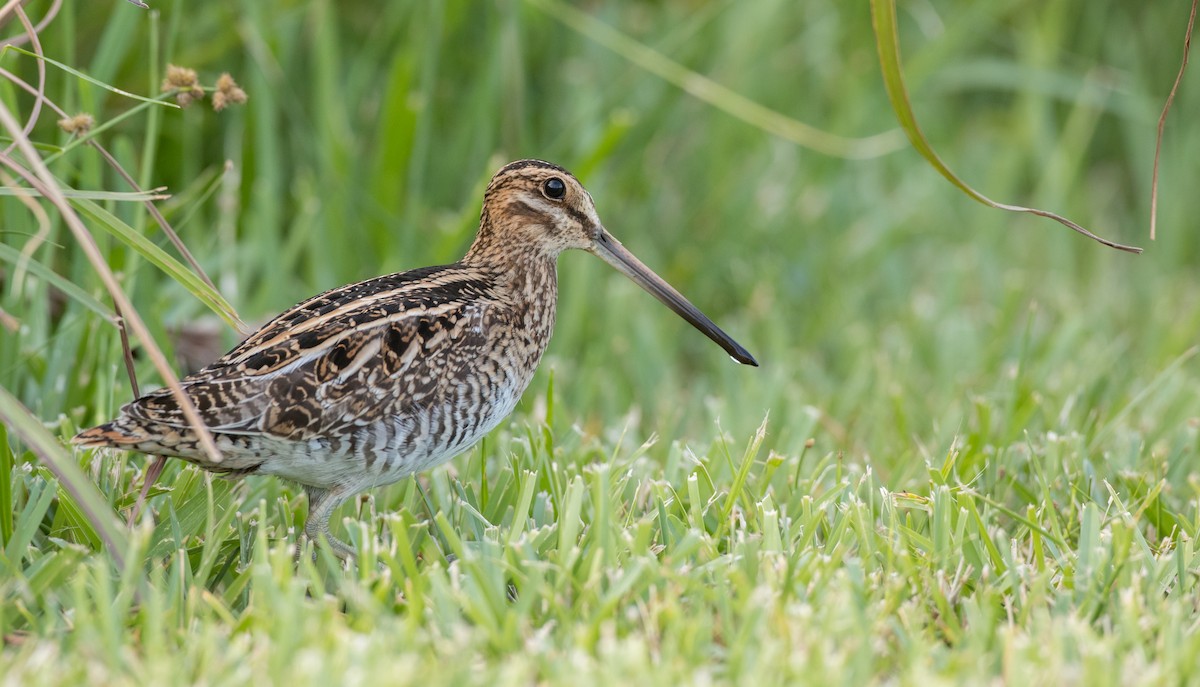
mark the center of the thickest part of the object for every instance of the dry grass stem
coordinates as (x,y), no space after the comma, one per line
(1162,120)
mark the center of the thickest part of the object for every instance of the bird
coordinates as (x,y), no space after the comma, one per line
(373,382)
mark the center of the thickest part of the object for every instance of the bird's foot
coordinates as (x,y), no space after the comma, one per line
(339,548)
(321,503)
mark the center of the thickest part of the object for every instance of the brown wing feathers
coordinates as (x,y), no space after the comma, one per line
(314,366)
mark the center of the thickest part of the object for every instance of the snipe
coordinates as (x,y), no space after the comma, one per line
(367,384)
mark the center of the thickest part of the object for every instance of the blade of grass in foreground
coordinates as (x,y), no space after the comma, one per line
(69,288)
(40,178)
(90,501)
(887,40)
(190,280)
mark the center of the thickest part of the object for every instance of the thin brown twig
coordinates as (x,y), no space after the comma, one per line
(22,39)
(156,467)
(39,95)
(1162,121)
(41,179)
(9,322)
(43,221)
(18,81)
(133,382)
(150,206)
(7,10)
(148,480)
(159,219)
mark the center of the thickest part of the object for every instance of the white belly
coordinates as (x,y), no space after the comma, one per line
(396,447)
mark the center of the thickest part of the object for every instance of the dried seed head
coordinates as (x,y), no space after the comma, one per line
(182,78)
(227,93)
(79,124)
(185,98)
(185,81)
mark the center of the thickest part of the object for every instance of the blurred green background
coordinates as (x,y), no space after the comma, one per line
(1004,415)
(890,313)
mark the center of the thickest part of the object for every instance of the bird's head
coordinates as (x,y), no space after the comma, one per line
(534,205)
(535,208)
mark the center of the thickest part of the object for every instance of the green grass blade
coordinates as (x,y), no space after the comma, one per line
(887,40)
(69,288)
(99,129)
(85,77)
(6,485)
(63,465)
(118,196)
(28,521)
(157,256)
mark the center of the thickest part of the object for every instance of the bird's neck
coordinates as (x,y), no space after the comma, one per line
(523,278)
(530,279)
(524,275)
(522,269)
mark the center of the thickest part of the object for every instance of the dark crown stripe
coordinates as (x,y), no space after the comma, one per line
(524,164)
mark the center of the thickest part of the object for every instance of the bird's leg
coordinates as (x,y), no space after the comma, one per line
(321,504)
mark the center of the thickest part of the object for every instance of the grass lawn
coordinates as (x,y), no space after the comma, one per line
(969,455)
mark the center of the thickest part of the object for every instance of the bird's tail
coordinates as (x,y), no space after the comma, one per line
(131,435)
(112,434)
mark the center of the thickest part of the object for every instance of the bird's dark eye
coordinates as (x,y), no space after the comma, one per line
(554,188)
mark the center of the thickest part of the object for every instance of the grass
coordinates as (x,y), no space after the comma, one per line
(969,455)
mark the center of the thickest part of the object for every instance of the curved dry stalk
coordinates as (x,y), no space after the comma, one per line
(1162,121)
(39,96)
(7,9)
(169,231)
(35,241)
(49,17)
(159,463)
(41,179)
(887,40)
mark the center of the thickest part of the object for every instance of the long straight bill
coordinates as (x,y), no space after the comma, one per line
(612,252)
